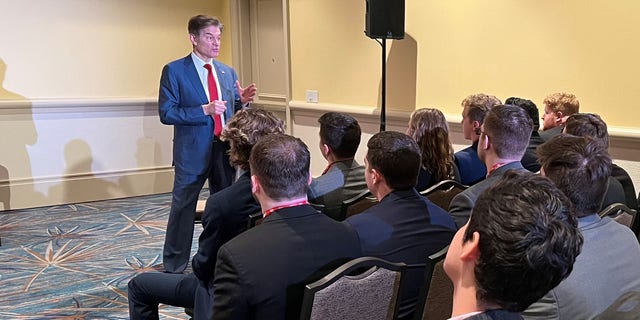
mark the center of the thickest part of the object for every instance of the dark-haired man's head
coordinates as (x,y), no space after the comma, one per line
(474,108)
(580,167)
(392,163)
(245,129)
(587,125)
(339,136)
(504,135)
(529,107)
(520,242)
(280,167)
(557,107)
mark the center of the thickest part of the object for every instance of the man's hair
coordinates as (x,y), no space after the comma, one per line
(566,103)
(245,129)
(341,132)
(281,163)
(396,156)
(201,21)
(509,129)
(429,128)
(478,104)
(587,125)
(529,107)
(528,241)
(580,167)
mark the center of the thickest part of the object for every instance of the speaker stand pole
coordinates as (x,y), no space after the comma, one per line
(383,103)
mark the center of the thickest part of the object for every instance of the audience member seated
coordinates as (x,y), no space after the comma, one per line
(343,178)
(520,242)
(403,226)
(503,139)
(608,264)
(621,188)
(225,217)
(529,159)
(261,273)
(557,108)
(475,106)
(429,129)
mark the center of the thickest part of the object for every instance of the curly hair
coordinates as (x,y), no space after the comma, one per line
(529,240)
(245,129)
(478,105)
(429,128)
(567,103)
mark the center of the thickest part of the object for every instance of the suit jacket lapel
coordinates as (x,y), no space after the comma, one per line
(226,88)
(192,74)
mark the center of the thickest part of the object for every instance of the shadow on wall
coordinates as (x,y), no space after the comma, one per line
(80,184)
(402,73)
(16,133)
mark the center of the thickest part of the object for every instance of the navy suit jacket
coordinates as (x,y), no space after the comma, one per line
(343,181)
(404,227)
(471,168)
(261,273)
(180,104)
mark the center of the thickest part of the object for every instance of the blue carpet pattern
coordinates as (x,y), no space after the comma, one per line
(74,261)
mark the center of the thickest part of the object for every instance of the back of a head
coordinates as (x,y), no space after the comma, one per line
(563,102)
(479,104)
(341,132)
(528,240)
(509,129)
(580,167)
(529,107)
(429,128)
(587,125)
(245,129)
(396,156)
(281,163)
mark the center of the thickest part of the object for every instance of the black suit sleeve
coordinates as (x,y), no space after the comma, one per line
(228,299)
(210,240)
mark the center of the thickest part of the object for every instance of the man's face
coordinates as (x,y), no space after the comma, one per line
(206,45)
(549,119)
(467,124)
(367,175)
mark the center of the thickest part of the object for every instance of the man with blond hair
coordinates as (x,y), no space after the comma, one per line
(557,108)
(474,107)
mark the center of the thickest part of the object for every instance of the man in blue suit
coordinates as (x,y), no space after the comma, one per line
(474,107)
(197,94)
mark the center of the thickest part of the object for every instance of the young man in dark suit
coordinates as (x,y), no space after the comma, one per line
(225,216)
(520,242)
(404,226)
(197,96)
(261,273)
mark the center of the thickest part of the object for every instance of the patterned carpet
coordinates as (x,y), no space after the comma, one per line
(74,261)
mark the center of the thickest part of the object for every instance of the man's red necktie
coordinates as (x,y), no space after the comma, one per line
(213,95)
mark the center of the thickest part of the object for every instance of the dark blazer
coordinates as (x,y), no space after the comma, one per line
(261,273)
(463,202)
(180,104)
(404,227)
(530,159)
(497,314)
(550,133)
(471,168)
(344,180)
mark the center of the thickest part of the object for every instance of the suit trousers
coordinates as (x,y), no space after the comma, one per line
(148,290)
(186,190)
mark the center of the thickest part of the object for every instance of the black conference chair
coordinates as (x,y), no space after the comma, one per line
(358,204)
(443,192)
(341,295)
(436,296)
(623,215)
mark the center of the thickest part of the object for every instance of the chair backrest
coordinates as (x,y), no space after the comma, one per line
(436,296)
(372,294)
(358,204)
(626,307)
(622,214)
(443,192)
(254,220)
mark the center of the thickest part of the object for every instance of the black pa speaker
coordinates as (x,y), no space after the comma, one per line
(384,19)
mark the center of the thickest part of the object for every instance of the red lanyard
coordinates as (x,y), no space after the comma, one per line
(295,204)
(494,167)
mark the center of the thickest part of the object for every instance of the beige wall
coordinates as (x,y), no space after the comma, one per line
(524,48)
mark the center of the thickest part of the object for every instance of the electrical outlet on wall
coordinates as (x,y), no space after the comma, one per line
(312,96)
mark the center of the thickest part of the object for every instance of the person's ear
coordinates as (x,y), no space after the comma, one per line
(559,116)
(255,184)
(470,249)
(476,124)
(376,177)
(194,39)
(310,179)
(485,142)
